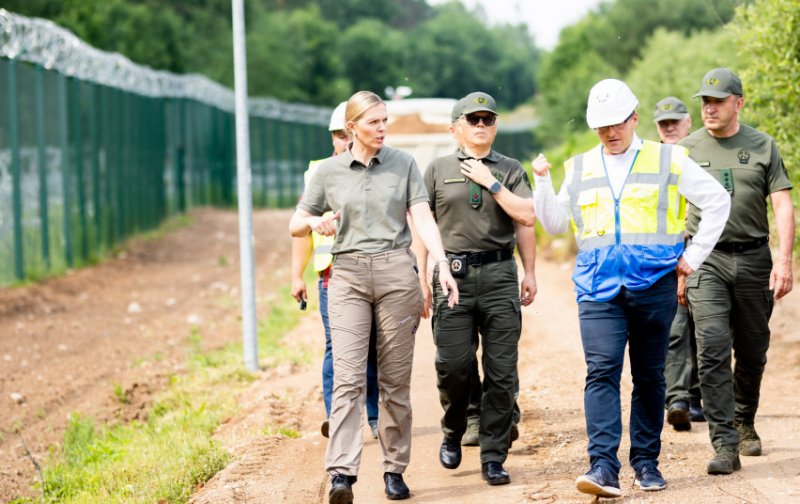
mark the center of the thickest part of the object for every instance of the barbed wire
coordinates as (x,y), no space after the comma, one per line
(45,43)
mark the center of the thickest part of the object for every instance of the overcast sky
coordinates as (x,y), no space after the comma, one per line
(544,17)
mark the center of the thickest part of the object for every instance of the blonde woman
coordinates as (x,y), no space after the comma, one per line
(371,188)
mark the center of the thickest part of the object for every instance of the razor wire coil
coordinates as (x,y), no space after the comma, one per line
(42,42)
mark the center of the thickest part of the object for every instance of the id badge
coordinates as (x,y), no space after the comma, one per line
(726,179)
(458,266)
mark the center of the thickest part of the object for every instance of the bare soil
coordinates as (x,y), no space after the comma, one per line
(78,342)
(65,344)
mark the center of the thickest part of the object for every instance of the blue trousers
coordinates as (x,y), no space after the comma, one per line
(327,362)
(641,321)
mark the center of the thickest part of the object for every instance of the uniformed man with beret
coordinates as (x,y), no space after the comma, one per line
(483,205)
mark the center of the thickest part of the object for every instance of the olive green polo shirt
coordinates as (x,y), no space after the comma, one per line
(468,229)
(373,199)
(750,167)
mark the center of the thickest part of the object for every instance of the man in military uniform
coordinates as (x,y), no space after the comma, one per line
(731,296)
(683,387)
(483,205)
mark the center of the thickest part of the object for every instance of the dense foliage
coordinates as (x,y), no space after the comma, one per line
(770,69)
(313,51)
(607,43)
(320,51)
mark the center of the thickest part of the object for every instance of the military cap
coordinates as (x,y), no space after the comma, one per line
(720,83)
(670,108)
(474,102)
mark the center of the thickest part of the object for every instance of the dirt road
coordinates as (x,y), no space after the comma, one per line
(66,343)
(543,463)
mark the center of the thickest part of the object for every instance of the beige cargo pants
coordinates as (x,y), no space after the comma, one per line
(386,285)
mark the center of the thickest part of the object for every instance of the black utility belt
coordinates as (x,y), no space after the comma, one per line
(459,262)
(738,248)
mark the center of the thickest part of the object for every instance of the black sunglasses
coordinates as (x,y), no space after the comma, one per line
(474,119)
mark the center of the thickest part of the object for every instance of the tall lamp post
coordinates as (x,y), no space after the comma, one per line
(244,190)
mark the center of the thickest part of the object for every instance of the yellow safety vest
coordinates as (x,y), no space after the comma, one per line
(322,244)
(632,240)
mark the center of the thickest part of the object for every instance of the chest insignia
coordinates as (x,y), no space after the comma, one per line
(455,180)
(744,156)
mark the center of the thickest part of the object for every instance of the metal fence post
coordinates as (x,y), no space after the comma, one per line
(63,106)
(79,168)
(16,169)
(42,158)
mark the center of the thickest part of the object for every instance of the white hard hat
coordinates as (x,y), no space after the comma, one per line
(337,118)
(611,101)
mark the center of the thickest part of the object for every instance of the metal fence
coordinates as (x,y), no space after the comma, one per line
(94,148)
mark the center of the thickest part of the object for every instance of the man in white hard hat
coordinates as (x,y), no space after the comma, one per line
(320,245)
(626,199)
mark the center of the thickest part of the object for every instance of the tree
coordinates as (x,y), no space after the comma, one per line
(606,43)
(629,23)
(770,71)
(276,61)
(454,53)
(403,14)
(373,55)
(517,67)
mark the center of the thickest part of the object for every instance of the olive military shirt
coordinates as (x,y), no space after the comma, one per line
(750,167)
(464,228)
(373,199)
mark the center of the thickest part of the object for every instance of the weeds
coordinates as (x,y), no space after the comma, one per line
(120,394)
(165,457)
(271,430)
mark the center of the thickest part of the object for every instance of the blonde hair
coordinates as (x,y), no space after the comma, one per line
(359,103)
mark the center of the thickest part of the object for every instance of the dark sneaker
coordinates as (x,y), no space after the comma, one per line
(725,461)
(599,481)
(373,426)
(494,474)
(678,416)
(472,436)
(396,488)
(696,413)
(325,428)
(341,489)
(749,442)
(450,453)
(649,478)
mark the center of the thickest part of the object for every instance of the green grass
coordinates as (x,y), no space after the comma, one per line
(167,456)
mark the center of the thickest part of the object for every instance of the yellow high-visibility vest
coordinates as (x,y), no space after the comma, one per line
(632,240)
(322,244)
